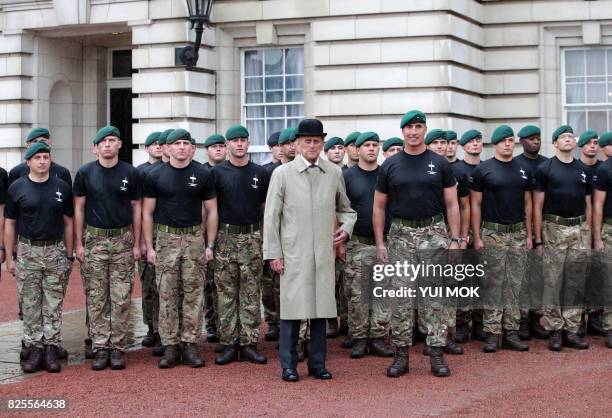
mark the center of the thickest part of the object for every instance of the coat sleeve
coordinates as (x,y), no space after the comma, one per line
(272,247)
(345,215)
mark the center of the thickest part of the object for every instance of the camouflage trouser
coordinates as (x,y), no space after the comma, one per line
(606,236)
(564,273)
(368,316)
(150,296)
(108,274)
(180,269)
(41,275)
(341,291)
(505,258)
(270,294)
(210,297)
(238,269)
(416,245)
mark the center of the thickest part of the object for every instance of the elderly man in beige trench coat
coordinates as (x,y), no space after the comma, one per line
(305,197)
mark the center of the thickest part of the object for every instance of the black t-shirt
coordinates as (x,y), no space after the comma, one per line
(3,185)
(145,167)
(603,182)
(503,186)
(55,170)
(39,208)
(270,167)
(461,168)
(109,193)
(529,162)
(566,185)
(463,186)
(415,184)
(591,169)
(360,185)
(207,165)
(179,193)
(241,191)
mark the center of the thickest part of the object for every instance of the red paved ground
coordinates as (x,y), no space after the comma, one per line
(75,298)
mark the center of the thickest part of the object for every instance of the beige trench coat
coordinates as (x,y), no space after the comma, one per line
(301,207)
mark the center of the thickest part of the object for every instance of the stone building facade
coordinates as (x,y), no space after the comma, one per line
(76,65)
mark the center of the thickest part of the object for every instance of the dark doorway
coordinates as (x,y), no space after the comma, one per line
(121,118)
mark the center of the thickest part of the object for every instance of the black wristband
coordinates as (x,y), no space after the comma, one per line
(537,244)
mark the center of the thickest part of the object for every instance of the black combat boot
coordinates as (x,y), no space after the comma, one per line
(250,354)
(117,360)
(24,354)
(491,343)
(101,360)
(573,340)
(171,357)
(62,354)
(348,342)
(332,328)
(595,324)
(462,333)
(149,339)
(158,348)
(438,365)
(451,347)
(523,331)
(609,339)
(344,329)
(379,348)
(426,350)
(512,341)
(191,356)
(229,354)
(89,352)
(219,348)
(35,361)
(478,332)
(554,341)
(51,360)
(360,348)
(212,335)
(537,331)
(272,334)
(399,366)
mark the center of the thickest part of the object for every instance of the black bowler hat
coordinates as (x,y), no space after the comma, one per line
(310,127)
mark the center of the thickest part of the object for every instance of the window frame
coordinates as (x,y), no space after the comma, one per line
(243,105)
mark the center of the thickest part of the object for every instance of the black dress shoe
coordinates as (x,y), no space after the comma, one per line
(290,375)
(321,373)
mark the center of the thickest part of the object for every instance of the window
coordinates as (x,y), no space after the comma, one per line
(587,88)
(272,92)
(121,63)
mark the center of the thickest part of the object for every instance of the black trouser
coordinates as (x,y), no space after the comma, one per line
(289,332)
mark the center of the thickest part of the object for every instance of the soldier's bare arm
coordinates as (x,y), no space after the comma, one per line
(452,214)
(212,225)
(598,204)
(589,215)
(69,235)
(9,243)
(2,251)
(79,226)
(528,219)
(464,209)
(148,207)
(378,223)
(538,205)
(475,207)
(136,227)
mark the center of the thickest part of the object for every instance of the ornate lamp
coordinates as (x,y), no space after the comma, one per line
(199,16)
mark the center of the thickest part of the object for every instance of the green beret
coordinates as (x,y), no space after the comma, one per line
(37,133)
(529,130)
(178,134)
(163,136)
(332,142)
(605,139)
(36,149)
(152,138)
(451,135)
(287,135)
(104,132)
(366,136)
(236,131)
(214,139)
(469,135)
(433,135)
(392,142)
(561,130)
(586,137)
(500,133)
(414,116)
(193,141)
(350,138)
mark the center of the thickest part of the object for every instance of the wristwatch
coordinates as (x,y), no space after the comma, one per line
(458,240)
(211,245)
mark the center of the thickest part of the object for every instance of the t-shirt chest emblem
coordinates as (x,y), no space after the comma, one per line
(583,177)
(124,183)
(255,180)
(431,166)
(59,197)
(192,182)
(523,175)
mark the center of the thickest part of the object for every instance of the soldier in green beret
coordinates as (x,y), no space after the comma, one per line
(39,215)
(351,149)
(176,194)
(602,229)
(392,146)
(562,212)
(216,150)
(275,150)
(108,210)
(501,223)
(417,226)
(150,297)
(436,141)
(451,148)
(287,141)
(161,140)
(334,150)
